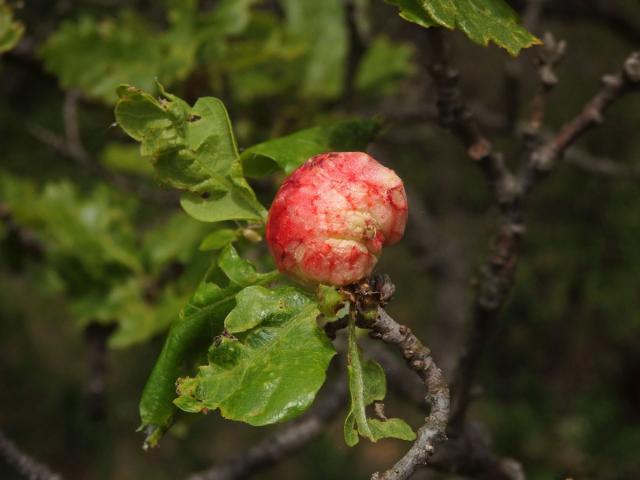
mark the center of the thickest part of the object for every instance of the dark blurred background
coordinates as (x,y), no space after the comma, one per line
(96,259)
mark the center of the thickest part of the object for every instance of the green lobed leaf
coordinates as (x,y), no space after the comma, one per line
(190,335)
(367,384)
(289,152)
(98,55)
(268,365)
(192,149)
(481,20)
(11,31)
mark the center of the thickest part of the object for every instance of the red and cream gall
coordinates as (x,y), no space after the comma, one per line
(332,216)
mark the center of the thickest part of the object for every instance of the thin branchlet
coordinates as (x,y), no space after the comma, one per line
(511,191)
(24,463)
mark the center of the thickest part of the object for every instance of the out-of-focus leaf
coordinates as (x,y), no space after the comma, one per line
(98,55)
(192,149)
(174,240)
(229,17)
(126,159)
(367,384)
(94,233)
(21,196)
(383,66)
(125,305)
(481,20)
(91,233)
(11,31)
(289,152)
(190,335)
(322,28)
(262,63)
(269,365)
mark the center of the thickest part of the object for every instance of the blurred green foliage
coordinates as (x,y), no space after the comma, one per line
(10,30)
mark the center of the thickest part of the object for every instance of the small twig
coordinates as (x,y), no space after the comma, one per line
(597,11)
(510,193)
(549,55)
(285,441)
(544,158)
(96,336)
(497,276)
(70,146)
(513,68)
(445,260)
(532,14)
(419,359)
(72,128)
(357,49)
(495,282)
(24,463)
(23,237)
(333,327)
(602,166)
(469,454)
(456,117)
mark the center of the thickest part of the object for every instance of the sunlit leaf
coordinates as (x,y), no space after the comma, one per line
(192,149)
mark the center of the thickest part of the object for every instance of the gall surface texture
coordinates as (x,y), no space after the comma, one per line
(331,217)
